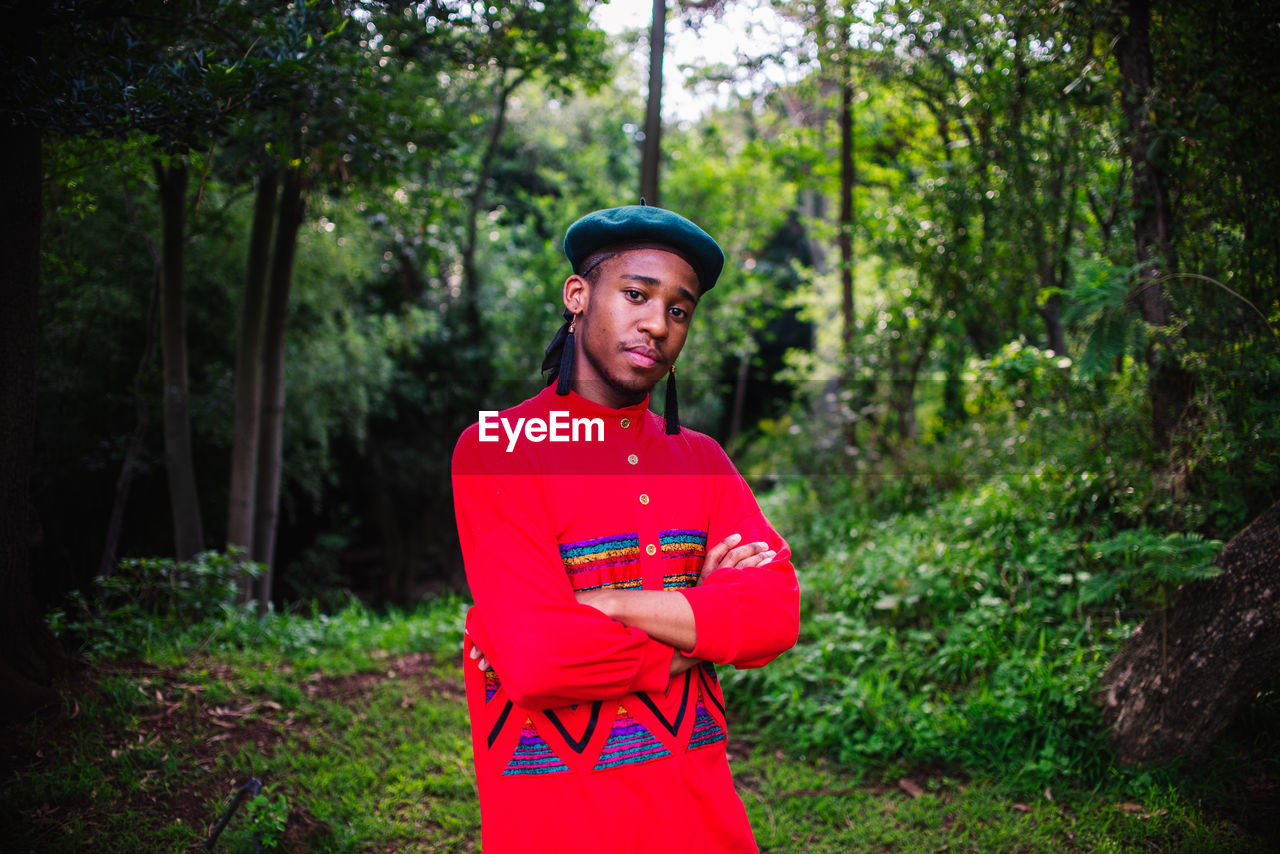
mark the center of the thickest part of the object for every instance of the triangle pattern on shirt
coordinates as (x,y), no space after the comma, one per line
(629,743)
(491,684)
(705,729)
(533,755)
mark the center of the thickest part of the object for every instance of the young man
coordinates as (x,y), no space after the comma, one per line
(597,719)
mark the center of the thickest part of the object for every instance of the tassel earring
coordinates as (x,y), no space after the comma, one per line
(672,413)
(564,381)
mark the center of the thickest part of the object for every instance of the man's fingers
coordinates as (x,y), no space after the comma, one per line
(715,555)
(759,559)
(735,557)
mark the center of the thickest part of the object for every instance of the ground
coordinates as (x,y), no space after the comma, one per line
(150,758)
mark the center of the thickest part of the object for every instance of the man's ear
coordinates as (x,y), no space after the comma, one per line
(576,293)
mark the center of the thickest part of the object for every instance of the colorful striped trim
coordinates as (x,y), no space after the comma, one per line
(629,744)
(624,584)
(680,543)
(669,582)
(679,579)
(533,755)
(491,684)
(600,552)
(705,729)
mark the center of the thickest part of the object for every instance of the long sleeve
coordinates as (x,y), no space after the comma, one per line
(745,617)
(548,649)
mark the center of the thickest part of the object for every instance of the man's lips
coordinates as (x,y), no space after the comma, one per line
(643,357)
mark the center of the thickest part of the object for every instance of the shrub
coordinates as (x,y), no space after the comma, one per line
(147,599)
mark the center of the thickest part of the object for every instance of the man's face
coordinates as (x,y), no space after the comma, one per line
(635,318)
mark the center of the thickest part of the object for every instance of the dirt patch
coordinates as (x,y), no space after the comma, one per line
(414,672)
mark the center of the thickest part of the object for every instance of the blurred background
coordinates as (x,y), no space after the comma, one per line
(288,251)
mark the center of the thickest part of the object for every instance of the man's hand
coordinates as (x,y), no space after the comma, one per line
(478,657)
(681,662)
(727,553)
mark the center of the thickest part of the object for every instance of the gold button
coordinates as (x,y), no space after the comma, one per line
(644,499)
(651,550)
(626,422)
(633,459)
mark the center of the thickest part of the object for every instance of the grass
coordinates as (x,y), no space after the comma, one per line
(357,729)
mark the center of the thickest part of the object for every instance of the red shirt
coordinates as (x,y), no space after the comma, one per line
(582,741)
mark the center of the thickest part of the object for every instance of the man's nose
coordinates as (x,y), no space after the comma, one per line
(654,321)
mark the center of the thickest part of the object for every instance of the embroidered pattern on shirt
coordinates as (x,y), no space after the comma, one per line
(679,579)
(600,562)
(629,743)
(600,553)
(682,542)
(491,684)
(705,729)
(679,544)
(533,755)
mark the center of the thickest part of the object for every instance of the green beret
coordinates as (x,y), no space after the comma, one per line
(634,225)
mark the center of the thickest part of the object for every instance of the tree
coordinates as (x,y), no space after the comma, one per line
(270,455)
(650,159)
(242,493)
(1169,383)
(184,499)
(30,658)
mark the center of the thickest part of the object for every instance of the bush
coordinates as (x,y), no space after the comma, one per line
(959,606)
(148,599)
(953,636)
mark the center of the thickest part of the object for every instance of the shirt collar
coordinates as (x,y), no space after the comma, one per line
(579,406)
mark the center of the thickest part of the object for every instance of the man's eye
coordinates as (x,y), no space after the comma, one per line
(633,294)
(679,313)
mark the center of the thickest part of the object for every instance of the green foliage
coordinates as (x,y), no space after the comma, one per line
(347,640)
(1148,566)
(146,600)
(805,804)
(948,636)
(268,818)
(1098,307)
(961,600)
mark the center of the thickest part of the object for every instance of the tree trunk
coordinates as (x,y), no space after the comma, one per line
(846,205)
(271,435)
(30,658)
(142,411)
(188,531)
(1051,314)
(1188,670)
(472,328)
(902,391)
(739,397)
(651,153)
(1169,385)
(248,380)
(395,582)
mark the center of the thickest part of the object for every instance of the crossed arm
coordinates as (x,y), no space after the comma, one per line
(665,615)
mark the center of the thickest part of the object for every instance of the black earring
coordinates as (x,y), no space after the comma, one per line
(565,380)
(672,413)
(557,362)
